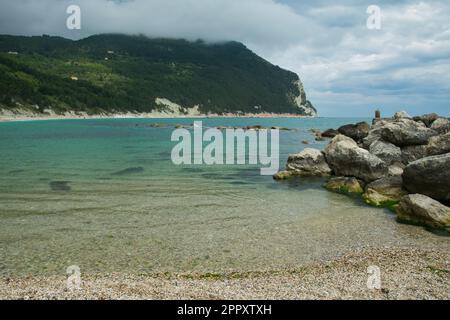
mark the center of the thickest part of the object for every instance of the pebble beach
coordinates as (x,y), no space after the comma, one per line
(405,274)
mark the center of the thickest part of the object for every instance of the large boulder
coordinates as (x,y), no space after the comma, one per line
(420,209)
(429,176)
(346,158)
(330,133)
(427,119)
(402,115)
(386,191)
(355,131)
(375,132)
(413,153)
(374,135)
(386,151)
(345,185)
(309,162)
(441,125)
(437,145)
(405,132)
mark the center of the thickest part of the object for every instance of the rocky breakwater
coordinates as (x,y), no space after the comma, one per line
(402,163)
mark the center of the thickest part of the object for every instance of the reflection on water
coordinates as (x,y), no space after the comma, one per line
(103,194)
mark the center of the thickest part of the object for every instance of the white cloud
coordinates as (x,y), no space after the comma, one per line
(344,65)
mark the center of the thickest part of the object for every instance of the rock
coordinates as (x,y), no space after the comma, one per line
(282,128)
(319,138)
(305,142)
(283,175)
(384,192)
(405,132)
(438,145)
(420,209)
(347,159)
(441,125)
(330,133)
(344,185)
(396,169)
(60,185)
(401,115)
(127,171)
(157,125)
(355,131)
(255,127)
(315,131)
(309,162)
(427,119)
(429,176)
(377,114)
(413,153)
(387,152)
(375,132)
(374,135)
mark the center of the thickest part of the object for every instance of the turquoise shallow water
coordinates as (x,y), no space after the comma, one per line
(104,195)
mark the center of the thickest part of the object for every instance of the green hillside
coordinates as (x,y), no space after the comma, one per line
(118,73)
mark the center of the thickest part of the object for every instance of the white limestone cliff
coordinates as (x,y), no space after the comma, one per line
(304,104)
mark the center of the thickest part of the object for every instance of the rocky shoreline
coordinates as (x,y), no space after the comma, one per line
(402,163)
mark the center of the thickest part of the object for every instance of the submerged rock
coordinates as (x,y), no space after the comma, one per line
(429,176)
(283,175)
(386,151)
(60,186)
(346,158)
(420,209)
(127,171)
(355,131)
(157,125)
(345,185)
(385,191)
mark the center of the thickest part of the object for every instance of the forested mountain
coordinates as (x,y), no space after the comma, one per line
(120,73)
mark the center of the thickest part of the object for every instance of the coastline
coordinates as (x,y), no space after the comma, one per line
(405,273)
(10,117)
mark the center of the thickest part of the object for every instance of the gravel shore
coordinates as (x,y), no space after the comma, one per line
(405,274)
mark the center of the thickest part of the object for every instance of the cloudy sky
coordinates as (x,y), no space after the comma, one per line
(347,69)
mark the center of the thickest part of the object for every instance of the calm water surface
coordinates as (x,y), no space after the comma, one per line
(104,195)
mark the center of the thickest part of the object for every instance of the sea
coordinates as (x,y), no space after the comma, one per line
(104,195)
